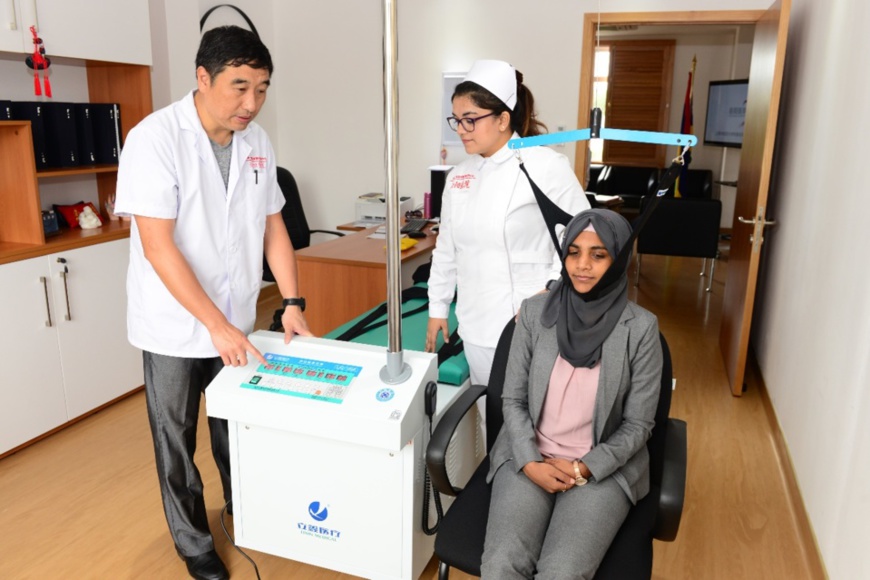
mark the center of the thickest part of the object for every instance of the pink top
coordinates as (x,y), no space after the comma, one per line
(565,426)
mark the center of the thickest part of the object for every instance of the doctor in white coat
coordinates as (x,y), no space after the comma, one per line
(493,249)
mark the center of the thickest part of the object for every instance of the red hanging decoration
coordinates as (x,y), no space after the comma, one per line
(39,62)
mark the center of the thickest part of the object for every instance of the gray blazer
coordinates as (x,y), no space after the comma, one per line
(625,406)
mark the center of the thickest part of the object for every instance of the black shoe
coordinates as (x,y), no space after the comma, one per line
(206,566)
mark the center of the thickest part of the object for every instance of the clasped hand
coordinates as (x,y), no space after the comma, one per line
(551,474)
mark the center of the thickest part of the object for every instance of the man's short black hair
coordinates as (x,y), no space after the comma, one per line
(225,46)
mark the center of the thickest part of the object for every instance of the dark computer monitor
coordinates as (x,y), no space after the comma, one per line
(437,182)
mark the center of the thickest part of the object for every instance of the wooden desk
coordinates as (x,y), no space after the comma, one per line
(349,227)
(342,278)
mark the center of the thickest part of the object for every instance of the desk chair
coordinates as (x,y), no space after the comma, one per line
(462,530)
(681,227)
(294,218)
(695,184)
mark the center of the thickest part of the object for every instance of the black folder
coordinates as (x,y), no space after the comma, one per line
(107,132)
(5,110)
(85,131)
(34,112)
(61,140)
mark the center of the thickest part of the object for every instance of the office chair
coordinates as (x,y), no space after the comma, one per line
(461,532)
(695,184)
(294,218)
(681,227)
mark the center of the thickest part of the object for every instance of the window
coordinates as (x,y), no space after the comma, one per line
(638,97)
(599,97)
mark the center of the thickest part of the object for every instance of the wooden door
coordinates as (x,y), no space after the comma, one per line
(753,185)
(638,97)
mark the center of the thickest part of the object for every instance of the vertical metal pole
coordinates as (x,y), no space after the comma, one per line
(396,371)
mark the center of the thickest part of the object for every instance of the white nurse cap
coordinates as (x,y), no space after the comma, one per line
(498,77)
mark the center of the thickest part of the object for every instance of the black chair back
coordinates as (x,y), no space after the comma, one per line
(494,416)
(292,212)
(681,227)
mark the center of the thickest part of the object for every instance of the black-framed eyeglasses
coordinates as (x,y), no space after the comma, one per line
(466,122)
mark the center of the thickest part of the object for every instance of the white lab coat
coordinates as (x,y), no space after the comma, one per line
(493,247)
(168,170)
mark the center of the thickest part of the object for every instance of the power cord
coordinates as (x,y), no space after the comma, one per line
(233,542)
(429,400)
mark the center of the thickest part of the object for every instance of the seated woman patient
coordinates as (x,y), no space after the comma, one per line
(580,397)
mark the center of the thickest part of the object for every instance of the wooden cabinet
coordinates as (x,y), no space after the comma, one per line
(21,233)
(54,374)
(116,31)
(65,336)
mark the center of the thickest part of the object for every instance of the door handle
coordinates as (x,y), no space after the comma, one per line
(64,274)
(44,281)
(760,222)
(753,221)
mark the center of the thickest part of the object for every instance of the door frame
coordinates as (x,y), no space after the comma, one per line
(587,58)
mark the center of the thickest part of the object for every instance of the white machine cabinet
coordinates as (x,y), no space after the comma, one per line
(329,471)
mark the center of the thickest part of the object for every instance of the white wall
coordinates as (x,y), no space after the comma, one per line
(812,331)
(174,40)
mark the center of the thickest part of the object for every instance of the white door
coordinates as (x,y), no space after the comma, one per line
(31,383)
(12,33)
(116,31)
(99,365)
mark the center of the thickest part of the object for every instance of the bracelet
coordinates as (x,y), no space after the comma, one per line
(578,477)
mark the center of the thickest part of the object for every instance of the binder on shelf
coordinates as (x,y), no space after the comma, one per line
(61,141)
(5,110)
(106,119)
(85,131)
(35,113)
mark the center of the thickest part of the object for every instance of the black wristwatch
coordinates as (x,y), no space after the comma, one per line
(300,302)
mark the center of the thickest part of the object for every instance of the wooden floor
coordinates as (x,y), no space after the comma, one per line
(84,503)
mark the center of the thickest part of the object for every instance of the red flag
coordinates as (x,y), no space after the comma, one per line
(687,127)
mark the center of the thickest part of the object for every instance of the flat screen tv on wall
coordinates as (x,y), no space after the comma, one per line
(726,113)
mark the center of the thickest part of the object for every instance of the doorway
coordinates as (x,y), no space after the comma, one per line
(753,184)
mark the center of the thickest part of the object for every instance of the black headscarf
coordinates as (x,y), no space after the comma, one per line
(584,321)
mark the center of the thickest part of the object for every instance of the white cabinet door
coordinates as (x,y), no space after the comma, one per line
(116,31)
(12,33)
(98,363)
(31,383)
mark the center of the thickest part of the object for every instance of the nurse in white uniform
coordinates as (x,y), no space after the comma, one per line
(493,249)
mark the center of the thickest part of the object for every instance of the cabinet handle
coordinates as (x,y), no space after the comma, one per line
(44,281)
(13,22)
(64,275)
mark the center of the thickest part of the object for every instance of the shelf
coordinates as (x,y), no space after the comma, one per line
(66,240)
(80,170)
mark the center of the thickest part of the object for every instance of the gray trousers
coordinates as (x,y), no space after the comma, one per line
(535,534)
(173,389)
